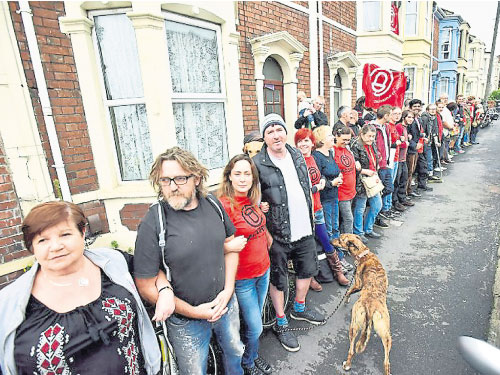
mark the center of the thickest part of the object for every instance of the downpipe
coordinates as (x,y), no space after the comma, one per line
(27,17)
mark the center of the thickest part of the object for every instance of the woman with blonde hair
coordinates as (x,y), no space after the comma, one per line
(239,193)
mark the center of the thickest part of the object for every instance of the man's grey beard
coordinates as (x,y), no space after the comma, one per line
(178,202)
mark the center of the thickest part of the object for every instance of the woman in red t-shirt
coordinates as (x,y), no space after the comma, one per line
(239,194)
(347,191)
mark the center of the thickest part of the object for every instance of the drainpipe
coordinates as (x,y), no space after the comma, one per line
(321,54)
(432,52)
(313,48)
(26,15)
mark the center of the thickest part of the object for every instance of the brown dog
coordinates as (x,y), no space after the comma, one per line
(371,307)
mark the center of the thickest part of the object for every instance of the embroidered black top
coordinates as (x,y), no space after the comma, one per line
(99,338)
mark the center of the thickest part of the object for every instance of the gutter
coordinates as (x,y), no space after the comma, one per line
(27,17)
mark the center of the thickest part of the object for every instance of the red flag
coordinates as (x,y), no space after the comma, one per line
(382,86)
(394,18)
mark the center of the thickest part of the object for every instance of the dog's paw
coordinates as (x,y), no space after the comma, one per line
(345,366)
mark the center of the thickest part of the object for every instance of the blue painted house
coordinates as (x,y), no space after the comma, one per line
(451,50)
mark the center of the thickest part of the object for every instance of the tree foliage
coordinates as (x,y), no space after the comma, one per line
(495,95)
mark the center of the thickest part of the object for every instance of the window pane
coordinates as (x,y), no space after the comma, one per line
(272,70)
(411,7)
(132,141)
(118,54)
(194,59)
(201,129)
(371,15)
(411,24)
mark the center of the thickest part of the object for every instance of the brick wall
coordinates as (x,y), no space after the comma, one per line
(96,207)
(64,92)
(435,44)
(343,12)
(259,18)
(11,244)
(131,214)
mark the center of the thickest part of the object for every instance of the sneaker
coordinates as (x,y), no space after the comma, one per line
(461,152)
(309,315)
(440,169)
(412,183)
(425,188)
(399,207)
(348,266)
(252,370)
(385,215)
(380,223)
(408,203)
(373,235)
(415,194)
(263,366)
(286,338)
(363,238)
(394,214)
(430,178)
(451,154)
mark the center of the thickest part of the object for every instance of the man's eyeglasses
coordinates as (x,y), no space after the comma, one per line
(179,180)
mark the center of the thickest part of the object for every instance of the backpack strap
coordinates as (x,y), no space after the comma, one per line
(162,235)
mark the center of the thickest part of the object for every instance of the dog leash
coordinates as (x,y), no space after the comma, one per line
(329,315)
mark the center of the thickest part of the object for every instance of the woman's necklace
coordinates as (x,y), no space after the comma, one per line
(82,281)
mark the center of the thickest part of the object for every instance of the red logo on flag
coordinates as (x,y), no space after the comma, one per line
(382,86)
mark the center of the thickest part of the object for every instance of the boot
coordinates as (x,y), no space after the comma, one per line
(315,285)
(336,267)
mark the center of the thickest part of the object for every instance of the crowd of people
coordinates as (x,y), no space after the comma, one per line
(205,263)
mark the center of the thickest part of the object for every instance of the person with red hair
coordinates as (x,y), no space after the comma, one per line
(305,140)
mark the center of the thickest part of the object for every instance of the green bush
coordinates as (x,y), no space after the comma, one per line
(495,95)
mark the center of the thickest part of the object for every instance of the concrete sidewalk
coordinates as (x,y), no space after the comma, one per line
(494,332)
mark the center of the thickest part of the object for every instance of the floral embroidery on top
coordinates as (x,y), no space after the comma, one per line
(49,355)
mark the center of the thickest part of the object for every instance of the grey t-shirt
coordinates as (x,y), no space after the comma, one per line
(193,252)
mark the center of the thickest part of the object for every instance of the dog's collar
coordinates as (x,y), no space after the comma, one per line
(358,257)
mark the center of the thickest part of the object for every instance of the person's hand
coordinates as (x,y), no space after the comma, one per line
(337,181)
(369,172)
(409,137)
(205,310)
(426,140)
(321,184)
(165,305)
(235,245)
(220,307)
(438,144)
(419,146)
(358,166)
(398,142)
(402,138)
(264,207)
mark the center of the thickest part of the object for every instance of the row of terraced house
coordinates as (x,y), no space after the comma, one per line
(91,91)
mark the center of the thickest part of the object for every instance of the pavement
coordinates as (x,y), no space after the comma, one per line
(494,331)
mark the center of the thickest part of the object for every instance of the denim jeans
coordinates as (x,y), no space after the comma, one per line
(345,211)
(473,133)
(459,139)
(190,339)
(385,175)
(359,211)
(387,200)
(251,294)
(331,211)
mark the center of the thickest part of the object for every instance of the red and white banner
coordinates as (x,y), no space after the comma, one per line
(382,86)
(394,18)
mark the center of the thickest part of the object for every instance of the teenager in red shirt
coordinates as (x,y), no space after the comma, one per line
(347,191)
(239,194)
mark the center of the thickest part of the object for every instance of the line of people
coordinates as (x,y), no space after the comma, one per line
(203,261)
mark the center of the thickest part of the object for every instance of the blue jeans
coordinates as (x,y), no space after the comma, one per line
(385,175)
(387,201)
(331,211)
(459,140)
(251,294)
(190,339)
(359,210)
(428,156)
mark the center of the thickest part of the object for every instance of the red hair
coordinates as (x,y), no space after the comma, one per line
(304,133)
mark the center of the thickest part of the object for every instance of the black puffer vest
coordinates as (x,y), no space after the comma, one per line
(274,192)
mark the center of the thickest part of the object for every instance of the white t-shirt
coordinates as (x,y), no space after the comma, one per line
(447,117)
(300,223)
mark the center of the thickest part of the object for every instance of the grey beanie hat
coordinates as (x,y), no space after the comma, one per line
(272,119)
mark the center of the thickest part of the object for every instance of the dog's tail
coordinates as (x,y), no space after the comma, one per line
(365,335)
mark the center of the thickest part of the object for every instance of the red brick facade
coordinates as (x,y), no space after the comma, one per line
(435,44)
(64,92)
(131,214)
(259,18)
(11,244)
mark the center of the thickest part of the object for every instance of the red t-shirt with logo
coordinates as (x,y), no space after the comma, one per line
(393,133)
(345,160)
(315,177)
(250,222)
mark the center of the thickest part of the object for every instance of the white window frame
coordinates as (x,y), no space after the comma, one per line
(204,97)
(412,80)
(108,103)
(379,13)
(407,31)
(448,43)
(428,18)
(441,81)
(472,53)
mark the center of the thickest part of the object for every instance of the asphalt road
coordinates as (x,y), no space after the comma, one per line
(440,263)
